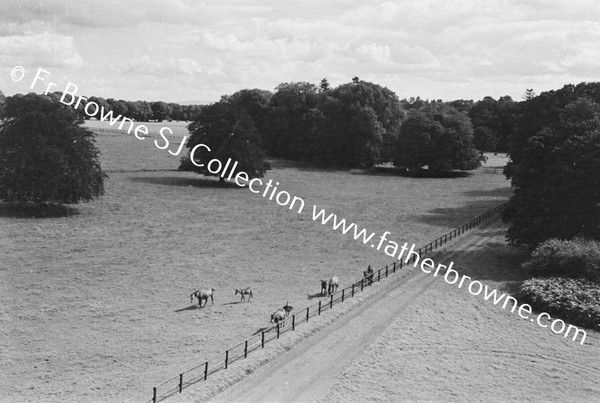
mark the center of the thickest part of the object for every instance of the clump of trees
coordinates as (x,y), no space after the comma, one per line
(352,125)
(439,136)
(554,167)
(357,124)
(228,129)
(46,156)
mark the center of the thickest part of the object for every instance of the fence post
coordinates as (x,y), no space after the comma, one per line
(246,349)
(331,301)
(293,322)
(343,294)
(307,310)
(362,284)
(154,394)
(180,382)
(226,358)
(205,370)
(353,289)
(379,275)
(319,307)
(263,339)
(278,330)
(394,269)
(386,270)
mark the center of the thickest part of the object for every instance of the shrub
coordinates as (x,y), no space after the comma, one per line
(578,257)
(574,300)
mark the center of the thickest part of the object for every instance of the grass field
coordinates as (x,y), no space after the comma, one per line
(95,305)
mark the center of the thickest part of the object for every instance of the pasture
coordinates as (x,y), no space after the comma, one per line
(95,305)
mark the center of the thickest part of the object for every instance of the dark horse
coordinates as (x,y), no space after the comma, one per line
(323,287)
(368,275)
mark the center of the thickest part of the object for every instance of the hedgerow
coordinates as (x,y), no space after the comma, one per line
(577,301)
(577,258)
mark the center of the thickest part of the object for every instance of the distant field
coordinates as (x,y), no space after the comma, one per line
(96,306)
(179,128)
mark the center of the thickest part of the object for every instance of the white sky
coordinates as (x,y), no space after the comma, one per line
(183,50)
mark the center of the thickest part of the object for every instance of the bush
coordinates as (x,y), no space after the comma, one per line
(578,258)
(574,300)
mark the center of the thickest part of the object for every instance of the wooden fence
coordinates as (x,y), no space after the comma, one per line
(493,170)
(240,351)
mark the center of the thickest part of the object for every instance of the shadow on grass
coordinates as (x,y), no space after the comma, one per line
(422,173)
(190,182)
(494,261)
(233,303)
(189,308)
(315,295)
(454,217)
(36,210)
(498,192)
(261,330)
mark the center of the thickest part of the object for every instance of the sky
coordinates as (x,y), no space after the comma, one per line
(196,51)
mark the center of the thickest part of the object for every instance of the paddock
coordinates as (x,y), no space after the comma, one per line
(97,301)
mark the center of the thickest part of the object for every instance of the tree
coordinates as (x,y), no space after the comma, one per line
(46,156)
(2,102)
(294,120)
(529,94)
(229,130)
(361,121)
(438,136)
(160,110)
(324,85)
(555,171)
(142,112)
(118,107)
(493,123)
(101,102)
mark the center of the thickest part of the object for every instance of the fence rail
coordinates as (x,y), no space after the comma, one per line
(240,351)
(493,170)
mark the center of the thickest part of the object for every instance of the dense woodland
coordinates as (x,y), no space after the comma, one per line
(361,124)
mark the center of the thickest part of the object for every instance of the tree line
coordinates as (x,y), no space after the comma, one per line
(358,124)
(141,111)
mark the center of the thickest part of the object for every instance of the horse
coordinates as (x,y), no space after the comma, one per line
(278,316)
(368,275)
(323,287)
(203,295)
(333,285)
(243,292)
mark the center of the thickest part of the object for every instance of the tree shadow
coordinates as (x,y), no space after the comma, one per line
(453,217)
(36,210)
(498,192)
(494,261)
(420,173)
(182,181)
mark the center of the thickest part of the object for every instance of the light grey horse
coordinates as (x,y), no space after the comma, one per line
(203,295)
